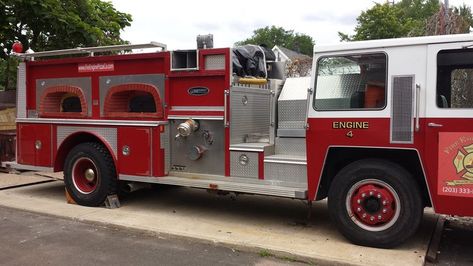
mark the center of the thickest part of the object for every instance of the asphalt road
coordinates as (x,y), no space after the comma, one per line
(36,239)
(456,246)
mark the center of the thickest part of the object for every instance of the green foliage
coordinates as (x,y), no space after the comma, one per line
(465,13)
(8,78)
(265,253)
(382,21)
(59,24)
(271,36)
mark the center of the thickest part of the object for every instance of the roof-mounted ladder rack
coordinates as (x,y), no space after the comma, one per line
(91,50)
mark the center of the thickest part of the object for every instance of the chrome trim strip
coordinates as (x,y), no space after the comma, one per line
(262,189)
(417,110)
(378,147)
(247,149)
(309,96)
(92,50)
(89,122)
(225,106)
(21,91)
(285,162)
(251,90)
(151,149)
(184,117)
(14,165)
(198,108)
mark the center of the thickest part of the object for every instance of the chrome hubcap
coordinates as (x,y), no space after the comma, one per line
(89,175)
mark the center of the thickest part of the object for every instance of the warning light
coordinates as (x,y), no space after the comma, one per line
(17,47)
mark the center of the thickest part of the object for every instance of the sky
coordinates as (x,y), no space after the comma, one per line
(178,22)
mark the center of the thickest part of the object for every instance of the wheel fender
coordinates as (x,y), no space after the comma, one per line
(76,138)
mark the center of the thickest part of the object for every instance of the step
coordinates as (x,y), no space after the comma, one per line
(286,159)
(290,146)
(267,148)
(292,132)
(243,185)
(290,169)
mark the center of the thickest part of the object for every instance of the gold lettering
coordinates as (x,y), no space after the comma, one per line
(350,125)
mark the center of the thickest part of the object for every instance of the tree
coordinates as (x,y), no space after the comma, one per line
(271,36)
(465,13)
(379,22)
(383,21)
(407,18)
(59,24)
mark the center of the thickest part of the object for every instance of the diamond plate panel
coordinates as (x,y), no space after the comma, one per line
(335,91)
(337,86)
(211,161)
(108,134)
(248,170)
(164,140)
(291,146)
(33,114)
(21,92)
(402,126)
(292,110)
(291,125)
(214,62)
(250,118)
(290,173)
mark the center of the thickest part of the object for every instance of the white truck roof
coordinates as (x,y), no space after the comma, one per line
(361,45)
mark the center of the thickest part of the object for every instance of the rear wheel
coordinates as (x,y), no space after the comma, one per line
(89,174)
(375,203)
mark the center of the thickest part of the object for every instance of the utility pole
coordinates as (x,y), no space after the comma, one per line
(447,19)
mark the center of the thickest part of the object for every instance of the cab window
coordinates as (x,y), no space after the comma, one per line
(351,82)
(455,79)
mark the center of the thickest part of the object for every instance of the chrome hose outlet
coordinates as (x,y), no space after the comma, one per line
(187,128)
(196,152)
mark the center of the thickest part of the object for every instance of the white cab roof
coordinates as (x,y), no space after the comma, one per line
(361,45)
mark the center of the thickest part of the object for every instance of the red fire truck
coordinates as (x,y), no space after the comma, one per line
(381,128)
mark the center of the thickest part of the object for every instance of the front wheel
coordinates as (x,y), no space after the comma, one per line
(375,203)
(89,174)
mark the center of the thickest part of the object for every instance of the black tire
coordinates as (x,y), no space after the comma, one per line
(84,189)
(398,220)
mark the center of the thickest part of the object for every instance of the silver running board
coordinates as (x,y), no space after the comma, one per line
(230,185)
(17,166)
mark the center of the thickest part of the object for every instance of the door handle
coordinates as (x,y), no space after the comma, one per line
(225,106)
(435,125)
(417,123)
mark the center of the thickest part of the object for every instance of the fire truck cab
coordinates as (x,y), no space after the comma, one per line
(381,128)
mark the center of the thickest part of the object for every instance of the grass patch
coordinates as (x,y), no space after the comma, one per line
(265,253)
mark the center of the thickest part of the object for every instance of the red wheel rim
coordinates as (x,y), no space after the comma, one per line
(85,176)
(373,205)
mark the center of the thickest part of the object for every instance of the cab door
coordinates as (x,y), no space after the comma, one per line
(449,127)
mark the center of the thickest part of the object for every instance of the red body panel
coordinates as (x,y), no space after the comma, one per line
(459,203)
(321,136)
(28,135)
(138,161)
(179,87)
